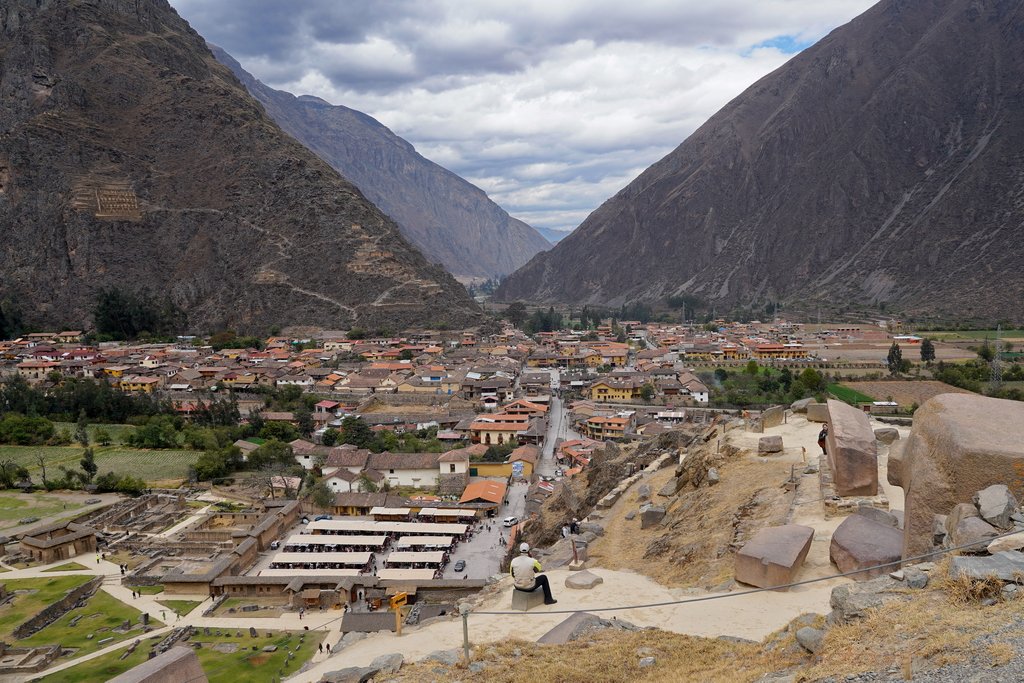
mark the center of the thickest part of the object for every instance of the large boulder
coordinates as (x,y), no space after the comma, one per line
(852,451)
(894,465)
(817,412)
(995,503)
(774,555)
(860,543)
(773,417)
(1007,565)
(651,515)
(887,434)
(876,515)
(769,444)
(960,444)
(801,405)
(852,601)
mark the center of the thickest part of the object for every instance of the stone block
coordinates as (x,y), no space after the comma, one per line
(887,435)
(524,601)
(860,543)
(876,515)
(801,405)
(582,580)
(671,487)
(810,639)
(915,578)
(1007,565)
(1011,542)
(852,451)
(774,555)
(713,476)
(651,516)
(995,504)
(959,444)
(388,664)
(894,463)
(972,534)
(769,444)
(643,492)
(773,417)
(817,412)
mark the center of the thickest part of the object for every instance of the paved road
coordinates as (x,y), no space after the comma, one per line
(483,552)
(558,428)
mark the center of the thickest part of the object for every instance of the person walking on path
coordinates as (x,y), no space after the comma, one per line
(822,438)
(526,574)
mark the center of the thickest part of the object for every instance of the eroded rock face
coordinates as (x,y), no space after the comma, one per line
(959,445)
(852,451)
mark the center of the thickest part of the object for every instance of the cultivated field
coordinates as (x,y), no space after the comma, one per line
(150,465)
(904,392)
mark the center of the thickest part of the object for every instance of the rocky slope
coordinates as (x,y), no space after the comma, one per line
(883,164)
(452,221)
(130,158)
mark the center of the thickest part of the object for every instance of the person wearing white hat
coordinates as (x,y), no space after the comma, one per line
(526,574)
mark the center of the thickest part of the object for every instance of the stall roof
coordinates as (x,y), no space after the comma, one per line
(324,573)
(428,557)
(406,574)
(334,539)
(340,558)
(438,512)
(389,511)
(423,540)
(371,527)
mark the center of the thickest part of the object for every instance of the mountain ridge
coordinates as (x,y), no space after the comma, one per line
(451,220)
(130,158)
(846,176)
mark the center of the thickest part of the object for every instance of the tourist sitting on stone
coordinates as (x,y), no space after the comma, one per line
(526,574)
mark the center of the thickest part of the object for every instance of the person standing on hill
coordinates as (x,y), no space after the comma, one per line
(822,438)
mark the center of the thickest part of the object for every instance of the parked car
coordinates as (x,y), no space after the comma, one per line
(510,521)
(274,545)
(460,565)
(319,517)
(305,520)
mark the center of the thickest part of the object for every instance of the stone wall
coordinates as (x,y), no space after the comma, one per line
(55,611)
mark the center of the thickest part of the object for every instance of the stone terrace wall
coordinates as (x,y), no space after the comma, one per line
(55,611)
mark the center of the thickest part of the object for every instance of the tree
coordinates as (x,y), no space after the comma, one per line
(304,420)
(88,464)
(516,313)
(895,359)
(647,391)
(986,353)
(927,350)
(366,485)
(330,437)
(405,354)
(41,461)
(356,432)
(751,368)
(81,429)
(321,495)
(271,452)
(103,436)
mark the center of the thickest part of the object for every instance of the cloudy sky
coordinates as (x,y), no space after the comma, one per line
(551,106)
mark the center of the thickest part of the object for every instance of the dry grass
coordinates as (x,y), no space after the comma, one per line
(699,524)
(1001,653)
(905,392)
(612,657)
(934,629)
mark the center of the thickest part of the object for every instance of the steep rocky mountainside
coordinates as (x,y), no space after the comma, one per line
(883,164)
(452,221)
(130,158)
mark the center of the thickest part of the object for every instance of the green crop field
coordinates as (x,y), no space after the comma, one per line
(225,658)
(151,465)
(847,394)
(973,334)
(117,432)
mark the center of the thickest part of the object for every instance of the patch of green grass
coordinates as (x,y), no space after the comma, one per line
(103,668)
(118,432)
(15,505)
(844,393)
(248,663)
(149,590)
(102,613)
(151,465)
(973,334)
(68,567)
(268,609)
(25,606)
(181,607)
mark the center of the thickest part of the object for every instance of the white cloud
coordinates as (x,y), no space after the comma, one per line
(550,107)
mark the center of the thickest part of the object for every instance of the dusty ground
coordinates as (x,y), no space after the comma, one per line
(905,392)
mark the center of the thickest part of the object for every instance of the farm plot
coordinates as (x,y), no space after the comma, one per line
(150,465)
(905,392)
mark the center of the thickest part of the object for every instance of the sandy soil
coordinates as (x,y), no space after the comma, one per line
(905,392)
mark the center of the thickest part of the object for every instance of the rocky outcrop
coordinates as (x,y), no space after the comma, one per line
(132,159)
(811,183)
(852,452)
(452,221)
(959,445)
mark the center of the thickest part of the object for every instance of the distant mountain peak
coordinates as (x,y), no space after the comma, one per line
(452,221)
